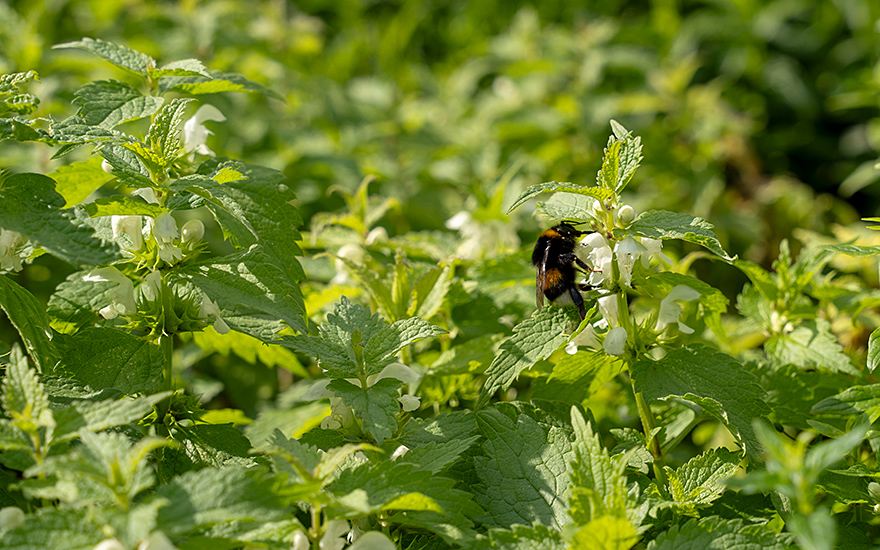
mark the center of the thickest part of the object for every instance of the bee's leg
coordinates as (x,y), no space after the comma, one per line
(571,258)
(578,301)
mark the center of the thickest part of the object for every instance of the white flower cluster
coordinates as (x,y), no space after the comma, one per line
(602,259)
(10,242)
(341,416)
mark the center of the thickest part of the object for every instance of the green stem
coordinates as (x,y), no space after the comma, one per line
(166,345)
(653,441)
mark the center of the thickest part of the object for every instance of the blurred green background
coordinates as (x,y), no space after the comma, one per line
(761,116)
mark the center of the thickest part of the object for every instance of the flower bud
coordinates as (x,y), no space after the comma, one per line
(109,544)
(193,230)
(625,215)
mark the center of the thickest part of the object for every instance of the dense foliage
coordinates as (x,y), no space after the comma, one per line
(266,275)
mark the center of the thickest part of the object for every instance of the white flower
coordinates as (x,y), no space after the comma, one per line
(399,452)
(334,535)
(300,541)
(377,234)
(586,337)
(628,251)
(409,402)
(164,230)
(670,310)
(11,516)
(194,135)
(353,253)
(615,341)
(396,370)
(373,540)
(209,308)
(653,247)
(122,295)
(109,544)
(157,541)
(610,310)
(9,242)
(481,238)
(106,166)
(146,193)
(151,286)
(595,252)
(130,226)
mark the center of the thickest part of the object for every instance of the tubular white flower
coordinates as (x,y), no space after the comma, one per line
(628,251)
(596,252)
(334,535)
(146,193)
(609,309)
(300,541)
(377,234)
(615,341)
(399,452)
(11,516)
(151,286)
(587,337)
(130,226)
(157,541)
(122,295)
(209,308)
(9,242)
(653,247)
(409,402)
(195,135)
(396,370)
(670,310)
(109,544)
(164,230)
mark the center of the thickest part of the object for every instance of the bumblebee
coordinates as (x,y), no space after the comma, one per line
(555,259)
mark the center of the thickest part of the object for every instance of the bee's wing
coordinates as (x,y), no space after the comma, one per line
(541,278)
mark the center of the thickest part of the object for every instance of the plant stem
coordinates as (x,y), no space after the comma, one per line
(653,442)
(166,345)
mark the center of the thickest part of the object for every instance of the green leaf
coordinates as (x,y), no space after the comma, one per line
(714,381)
(563,187)
(660,224)
(108,103)
(23,398)
(211,495)
(621,159)
(101,415)
(353,338)
(606,533)
(218,82)
(248,282)
(443,427)
(163,136)
(15,101)
(250,349)
(533,339)
(853,250)
(714,532)
(75,182)
(567,206)
(127,166)
(184,67)
(30,205)
(437,456)
(20,130)
(122,205)
(214,445)
(811,345)
(375,405)
(66,529)
(125,362)
(253,205)
(124,58)
(29,318)
(76,302)
(575,378)
(816,531)
(701,480)
(523,471)
(599,486)
(522,537)
(852,401)
(874,350)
